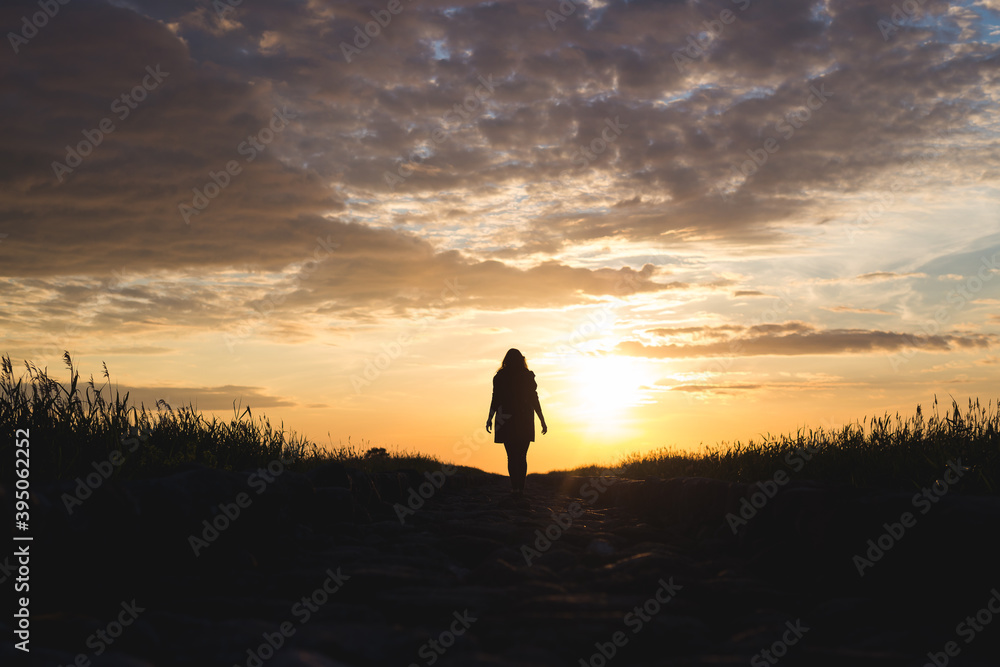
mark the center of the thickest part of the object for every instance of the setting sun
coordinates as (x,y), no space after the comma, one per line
(606,387)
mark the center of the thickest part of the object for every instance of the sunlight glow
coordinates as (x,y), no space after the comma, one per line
(606,387)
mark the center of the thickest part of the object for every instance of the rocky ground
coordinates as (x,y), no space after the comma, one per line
(338,567)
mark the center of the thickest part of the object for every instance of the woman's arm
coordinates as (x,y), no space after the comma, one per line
(538,409)
(493,408)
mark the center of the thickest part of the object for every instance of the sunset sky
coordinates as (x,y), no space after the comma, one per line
(699,221)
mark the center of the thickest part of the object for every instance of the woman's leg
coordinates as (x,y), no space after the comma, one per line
(517,463)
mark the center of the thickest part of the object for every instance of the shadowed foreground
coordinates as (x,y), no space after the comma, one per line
(317,569)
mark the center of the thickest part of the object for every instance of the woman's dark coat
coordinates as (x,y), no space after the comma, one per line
(515,399)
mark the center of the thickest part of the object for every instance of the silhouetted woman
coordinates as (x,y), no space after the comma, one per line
(515,402)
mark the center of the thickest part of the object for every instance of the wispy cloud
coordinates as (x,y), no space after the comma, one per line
(852,309)
(798,338)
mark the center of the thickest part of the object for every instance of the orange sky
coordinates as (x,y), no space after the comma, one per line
(795,224)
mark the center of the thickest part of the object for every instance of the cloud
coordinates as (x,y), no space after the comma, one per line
(798,338)
(722,331)
(141,350)
(354,273)
(852,309)
(715,388)
(119,207)
(214,398)
(879,276)
(671,172)
(220,398)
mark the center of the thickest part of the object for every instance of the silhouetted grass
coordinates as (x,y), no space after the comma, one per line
(77,425)
(889,452)
(74,426)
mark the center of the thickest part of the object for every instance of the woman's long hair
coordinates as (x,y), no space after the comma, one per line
(513,361)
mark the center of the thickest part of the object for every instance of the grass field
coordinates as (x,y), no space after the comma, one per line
(76,425)
(889,452)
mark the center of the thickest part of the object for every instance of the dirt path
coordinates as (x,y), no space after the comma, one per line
(315,573)
(551,580)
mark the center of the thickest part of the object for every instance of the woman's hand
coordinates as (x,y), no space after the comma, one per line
(488,425)
(545,429)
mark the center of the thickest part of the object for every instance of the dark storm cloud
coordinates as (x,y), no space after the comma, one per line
(597,96)
(684,135)
(117,212)
(795,338)
(119,207)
